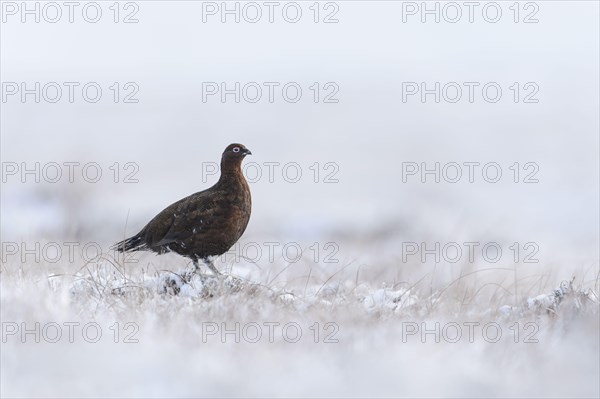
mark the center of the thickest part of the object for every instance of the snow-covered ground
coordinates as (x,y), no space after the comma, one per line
(355,277)
(137,333)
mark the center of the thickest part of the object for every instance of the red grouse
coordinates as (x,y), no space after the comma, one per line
(206,223)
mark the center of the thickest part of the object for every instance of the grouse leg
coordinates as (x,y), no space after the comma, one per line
(196,266)
(211,266)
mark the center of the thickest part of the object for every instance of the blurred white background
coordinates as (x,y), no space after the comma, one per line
(369,133)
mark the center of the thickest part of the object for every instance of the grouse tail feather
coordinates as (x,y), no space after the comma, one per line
(134,243)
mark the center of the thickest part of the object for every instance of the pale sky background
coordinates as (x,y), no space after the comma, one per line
(369,133)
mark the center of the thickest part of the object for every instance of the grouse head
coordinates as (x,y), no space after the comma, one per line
(233,156)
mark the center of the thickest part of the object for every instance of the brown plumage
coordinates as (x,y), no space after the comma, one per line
(206,223)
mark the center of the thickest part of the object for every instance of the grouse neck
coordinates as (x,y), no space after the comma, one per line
(230,171)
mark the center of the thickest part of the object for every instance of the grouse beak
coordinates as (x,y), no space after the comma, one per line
(247,152)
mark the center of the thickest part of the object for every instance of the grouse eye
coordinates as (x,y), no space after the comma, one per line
(236,149)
